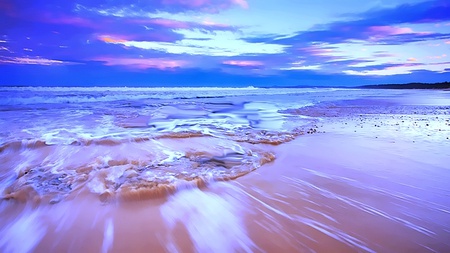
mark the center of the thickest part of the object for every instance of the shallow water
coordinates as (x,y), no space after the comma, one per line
(224,170)
(57,141)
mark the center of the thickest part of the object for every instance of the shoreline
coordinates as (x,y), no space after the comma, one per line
(364,182)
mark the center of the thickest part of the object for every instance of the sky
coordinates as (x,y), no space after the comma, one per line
(223,42)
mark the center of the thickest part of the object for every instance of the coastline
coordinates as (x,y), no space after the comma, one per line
(372,178)
(366,182)
(423,86)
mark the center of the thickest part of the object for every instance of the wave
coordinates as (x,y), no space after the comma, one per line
(141,146)
(151,169)
(243,135)
(77,95)
(120,89)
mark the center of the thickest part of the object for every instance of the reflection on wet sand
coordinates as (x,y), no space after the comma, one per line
(233,177)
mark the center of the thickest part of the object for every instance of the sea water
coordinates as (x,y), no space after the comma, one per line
(59,140)
(103,169)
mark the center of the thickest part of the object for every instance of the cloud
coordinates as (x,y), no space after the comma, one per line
(349,32)
(152,23)
(212,6)
(390,69)
(387,30)
(111,39)
(5,49)
(303,67)
(438,56)
(100,75)
(33,61)
(6,6)
(198,43)
(25,7)
(124,8)
(168,23)
(318,50)
(411,38)
(244,63)
(179,35)
(348,46)
(242,3)
(424,12)
(141,63)
(376,26)
(383,54)
(64,19)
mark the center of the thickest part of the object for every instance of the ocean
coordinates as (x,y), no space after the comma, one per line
(218,169)
(76,138)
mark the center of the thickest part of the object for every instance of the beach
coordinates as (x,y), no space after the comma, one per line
(251,170)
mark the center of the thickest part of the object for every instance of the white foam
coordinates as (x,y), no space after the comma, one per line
(214,222)
(108,236)
(115,172)
(96,186)
(75,95)
(171,156)
(23,234)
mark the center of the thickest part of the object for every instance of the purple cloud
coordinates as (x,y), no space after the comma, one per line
(250,64)
(211,6)
(24,7)
(151,23)
(391,66)
(103,32)
(382,26)
(56,30)
(33,61)
(141,63)
(425,12)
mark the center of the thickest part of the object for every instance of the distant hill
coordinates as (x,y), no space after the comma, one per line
(444,85)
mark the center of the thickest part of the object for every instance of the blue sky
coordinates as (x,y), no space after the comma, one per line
(223,42)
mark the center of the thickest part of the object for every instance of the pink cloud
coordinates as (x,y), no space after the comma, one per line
(33,61)
(175,24)
(437,56)
(189,3)
(68,20)
(384,54)
(5,49)
(207,5)
(111,39)
(6,6)
(404,66)
(170,23)
(215,25)
(242,3)
(244,63)
(317,50)
(149,36)
(142,63)
(389,30)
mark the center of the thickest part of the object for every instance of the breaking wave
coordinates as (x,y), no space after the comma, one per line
(128,170)
(137,143)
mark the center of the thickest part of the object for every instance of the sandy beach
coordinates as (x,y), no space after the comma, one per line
(223,126)
(366,175)
(374,179)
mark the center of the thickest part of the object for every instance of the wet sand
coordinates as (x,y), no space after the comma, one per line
(371,177)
